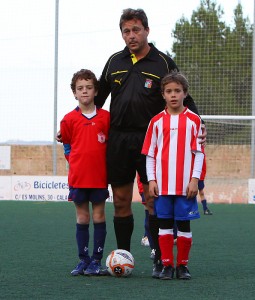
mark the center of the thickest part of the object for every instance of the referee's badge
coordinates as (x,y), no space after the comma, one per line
(148,83)
(101,137)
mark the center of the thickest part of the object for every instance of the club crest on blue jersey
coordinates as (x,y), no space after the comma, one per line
(148,83)
(101,137)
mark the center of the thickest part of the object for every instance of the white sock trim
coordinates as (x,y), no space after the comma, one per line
(165,231)
(184,234)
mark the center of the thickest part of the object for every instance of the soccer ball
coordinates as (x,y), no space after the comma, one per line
(120,263)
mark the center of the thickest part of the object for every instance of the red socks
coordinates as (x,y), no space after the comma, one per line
(166,243)
(183,248)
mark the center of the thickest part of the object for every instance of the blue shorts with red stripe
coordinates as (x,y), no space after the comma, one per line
(176,207)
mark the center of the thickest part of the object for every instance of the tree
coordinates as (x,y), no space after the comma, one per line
(239,63)
(216,58)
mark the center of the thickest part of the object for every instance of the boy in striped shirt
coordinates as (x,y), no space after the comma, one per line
(174,159)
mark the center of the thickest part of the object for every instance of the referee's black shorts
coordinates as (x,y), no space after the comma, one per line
(124,157)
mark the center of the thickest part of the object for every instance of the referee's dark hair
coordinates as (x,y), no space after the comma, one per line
(131,14)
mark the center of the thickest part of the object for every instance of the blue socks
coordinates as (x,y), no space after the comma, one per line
(99,240)
(82,238)
(204,203)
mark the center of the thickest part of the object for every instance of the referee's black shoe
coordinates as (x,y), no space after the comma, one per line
(182,272)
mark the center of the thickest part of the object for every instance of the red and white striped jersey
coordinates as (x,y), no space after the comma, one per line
(172,140)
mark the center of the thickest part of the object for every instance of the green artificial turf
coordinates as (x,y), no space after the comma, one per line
(38,251)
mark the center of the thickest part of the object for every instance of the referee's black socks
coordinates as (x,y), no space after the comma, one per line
(123,227)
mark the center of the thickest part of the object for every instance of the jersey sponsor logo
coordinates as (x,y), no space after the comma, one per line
(101,137)
(148,83)
(90,123)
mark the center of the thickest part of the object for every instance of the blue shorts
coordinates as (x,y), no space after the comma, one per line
(80,196)
(176,207)
(201,185)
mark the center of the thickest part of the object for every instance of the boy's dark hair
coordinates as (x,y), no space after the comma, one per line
(130,14)
(177,77)
(84,74)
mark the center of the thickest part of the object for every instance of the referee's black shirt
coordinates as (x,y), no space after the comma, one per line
(135,88)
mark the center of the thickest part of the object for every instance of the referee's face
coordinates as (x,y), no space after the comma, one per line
(135,35)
